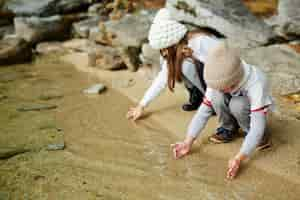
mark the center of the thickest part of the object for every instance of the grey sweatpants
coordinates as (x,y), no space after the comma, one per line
(233,111)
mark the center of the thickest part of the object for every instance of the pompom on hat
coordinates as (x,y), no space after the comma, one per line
(165,32)
(223,67)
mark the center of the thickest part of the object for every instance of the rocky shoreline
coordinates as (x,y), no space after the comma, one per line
(108,35)
(112,35)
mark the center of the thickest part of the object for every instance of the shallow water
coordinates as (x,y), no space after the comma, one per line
(108,157)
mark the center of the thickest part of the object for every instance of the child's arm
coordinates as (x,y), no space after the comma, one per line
(256,132)
(157,86)
(195,127)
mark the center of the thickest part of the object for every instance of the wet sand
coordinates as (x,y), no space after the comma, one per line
(108,157)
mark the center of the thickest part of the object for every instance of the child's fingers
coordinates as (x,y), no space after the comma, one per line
(231,173)
(131,108)
(135,117)
(129,115)
(176,145)
(175,153)
(173,145)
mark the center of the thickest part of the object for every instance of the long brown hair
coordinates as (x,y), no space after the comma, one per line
(175,57)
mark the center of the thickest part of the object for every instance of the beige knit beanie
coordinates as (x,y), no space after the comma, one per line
(223,67)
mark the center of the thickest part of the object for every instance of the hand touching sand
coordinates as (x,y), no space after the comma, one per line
(135,113)
(181,149)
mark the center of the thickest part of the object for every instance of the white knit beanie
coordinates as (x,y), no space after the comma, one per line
(223,68)
(165,32)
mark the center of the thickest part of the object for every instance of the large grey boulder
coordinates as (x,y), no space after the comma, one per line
(282,65)
(131,30)
(43,8)
(82,28)
(50,47)
(4,22)
(36,29)
(98,9)
(150,62)
(149,56)
(229,17)
(85,53)
(14,50)
(6,30)
(128,34)
(289,18)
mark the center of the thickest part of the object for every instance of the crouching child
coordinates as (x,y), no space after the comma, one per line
(239,94)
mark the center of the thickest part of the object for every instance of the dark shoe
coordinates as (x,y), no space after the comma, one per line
(265,143)
(222,136)
(195,99)
(190,107)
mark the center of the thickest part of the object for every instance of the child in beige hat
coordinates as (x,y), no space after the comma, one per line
(239,94)
(183,55)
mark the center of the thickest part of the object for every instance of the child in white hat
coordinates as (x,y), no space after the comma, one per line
(183,53)
(239,94)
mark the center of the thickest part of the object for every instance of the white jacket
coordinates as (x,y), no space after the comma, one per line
(200,46)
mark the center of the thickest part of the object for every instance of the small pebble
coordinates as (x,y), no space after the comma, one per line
(55,147)
(95,89)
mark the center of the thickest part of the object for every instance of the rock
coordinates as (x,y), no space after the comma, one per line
(35,29)
(229,17)
(50,96)
(148,72)
(98,9)
(95,89)
(95,33)
(92,54)
(130,56)
(37,107)
(4,22)
(286,24)
(7,152)
(109,58)
(13,51)
(150,62)
(4,195)
(2,97)
(128,34)
(149,55)
(6,16)
(131,30)
(289,30)
(9,77)
(55,147)
(78,44)
(80,60)
(103,57)
(6,30)
(289,10)
(50,47)
(82,28)
(281,64)
(44,8)
(10,36)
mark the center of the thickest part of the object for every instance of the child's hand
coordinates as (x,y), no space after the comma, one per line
(135,112)
(180,149)
(233,168)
